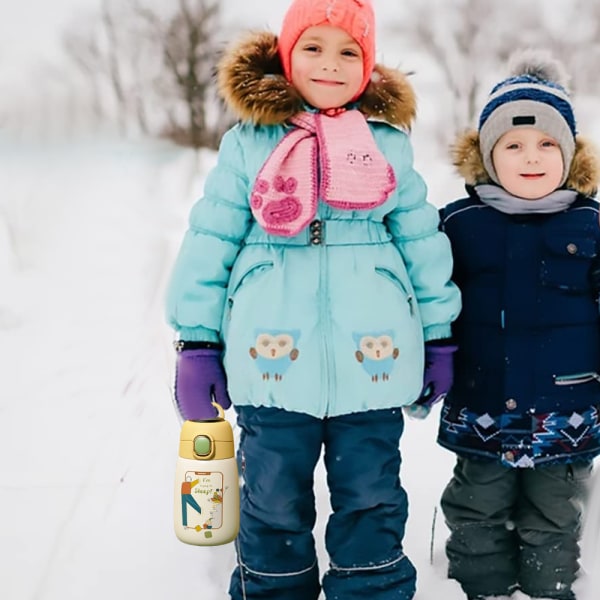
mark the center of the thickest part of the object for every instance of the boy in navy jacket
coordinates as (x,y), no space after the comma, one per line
(523,413)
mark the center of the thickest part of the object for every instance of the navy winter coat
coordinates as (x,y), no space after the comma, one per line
(527,383)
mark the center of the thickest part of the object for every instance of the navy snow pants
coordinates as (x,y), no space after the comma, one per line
(278,452)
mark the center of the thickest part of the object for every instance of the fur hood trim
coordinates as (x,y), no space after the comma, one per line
(251,82)
(584,174)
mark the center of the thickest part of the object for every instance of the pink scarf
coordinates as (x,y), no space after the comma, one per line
(354,174)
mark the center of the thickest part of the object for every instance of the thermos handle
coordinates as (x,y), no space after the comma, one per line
(219,409)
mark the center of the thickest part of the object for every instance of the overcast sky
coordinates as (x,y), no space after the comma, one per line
(29,28)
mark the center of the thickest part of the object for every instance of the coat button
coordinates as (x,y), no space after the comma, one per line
(316,233)
(511,404)
(572,248)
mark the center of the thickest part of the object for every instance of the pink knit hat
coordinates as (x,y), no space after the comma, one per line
(355,17)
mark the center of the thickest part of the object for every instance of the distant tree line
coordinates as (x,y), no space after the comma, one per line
(152,70)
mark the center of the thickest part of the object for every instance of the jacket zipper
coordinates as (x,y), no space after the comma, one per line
(329,371)
(317,238)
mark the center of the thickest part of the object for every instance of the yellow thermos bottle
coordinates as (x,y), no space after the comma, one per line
(207,494)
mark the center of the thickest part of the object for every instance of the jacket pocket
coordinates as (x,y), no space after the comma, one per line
(248,276)
(568,260)
(400,285)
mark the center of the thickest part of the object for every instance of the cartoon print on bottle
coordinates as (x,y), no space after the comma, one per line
(274,351)
(376,353)
(187,499)
(204,493)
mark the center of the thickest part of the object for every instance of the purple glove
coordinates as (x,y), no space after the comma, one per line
(438,377)
(200,379)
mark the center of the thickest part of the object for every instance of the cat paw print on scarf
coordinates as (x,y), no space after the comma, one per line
(354,158)
(276,212)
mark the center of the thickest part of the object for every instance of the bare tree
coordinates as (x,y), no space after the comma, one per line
(466,40)
(579,52)
(84,51)
(94,46)
(188,53)
(157,65)
(188,46)
(468,43)
(114,61)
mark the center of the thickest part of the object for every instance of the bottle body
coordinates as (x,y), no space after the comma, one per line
(207,497)
(207,501)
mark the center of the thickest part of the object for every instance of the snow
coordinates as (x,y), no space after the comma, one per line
(88,436)
(88,433)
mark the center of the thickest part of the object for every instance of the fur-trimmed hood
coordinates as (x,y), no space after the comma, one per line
(584,174)
(251,82)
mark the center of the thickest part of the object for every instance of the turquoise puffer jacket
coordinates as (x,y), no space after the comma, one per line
(331,321)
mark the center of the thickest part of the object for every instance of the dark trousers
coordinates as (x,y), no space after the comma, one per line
(278,452)
(515,528)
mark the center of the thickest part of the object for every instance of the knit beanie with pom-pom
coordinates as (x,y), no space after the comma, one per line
(535,95)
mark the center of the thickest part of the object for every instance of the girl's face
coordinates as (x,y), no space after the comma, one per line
(327,67)
(529,163)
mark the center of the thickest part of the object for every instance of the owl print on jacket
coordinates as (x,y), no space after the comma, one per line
(376,353)
(274,352)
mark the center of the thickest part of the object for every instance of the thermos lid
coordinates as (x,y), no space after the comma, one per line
(206,440)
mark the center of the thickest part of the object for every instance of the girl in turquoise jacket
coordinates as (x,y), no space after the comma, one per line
(310,280)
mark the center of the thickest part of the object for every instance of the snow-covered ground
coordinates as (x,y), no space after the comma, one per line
(88,435)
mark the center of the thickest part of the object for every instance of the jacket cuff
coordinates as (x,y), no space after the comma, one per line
(181,345)
(437,332)
(198,334)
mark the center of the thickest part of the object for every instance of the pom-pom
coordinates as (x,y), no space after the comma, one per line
(539,64)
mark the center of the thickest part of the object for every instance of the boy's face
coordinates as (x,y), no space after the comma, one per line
(327,67)
(529,163)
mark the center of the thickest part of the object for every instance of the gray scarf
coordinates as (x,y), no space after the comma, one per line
(498,198)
